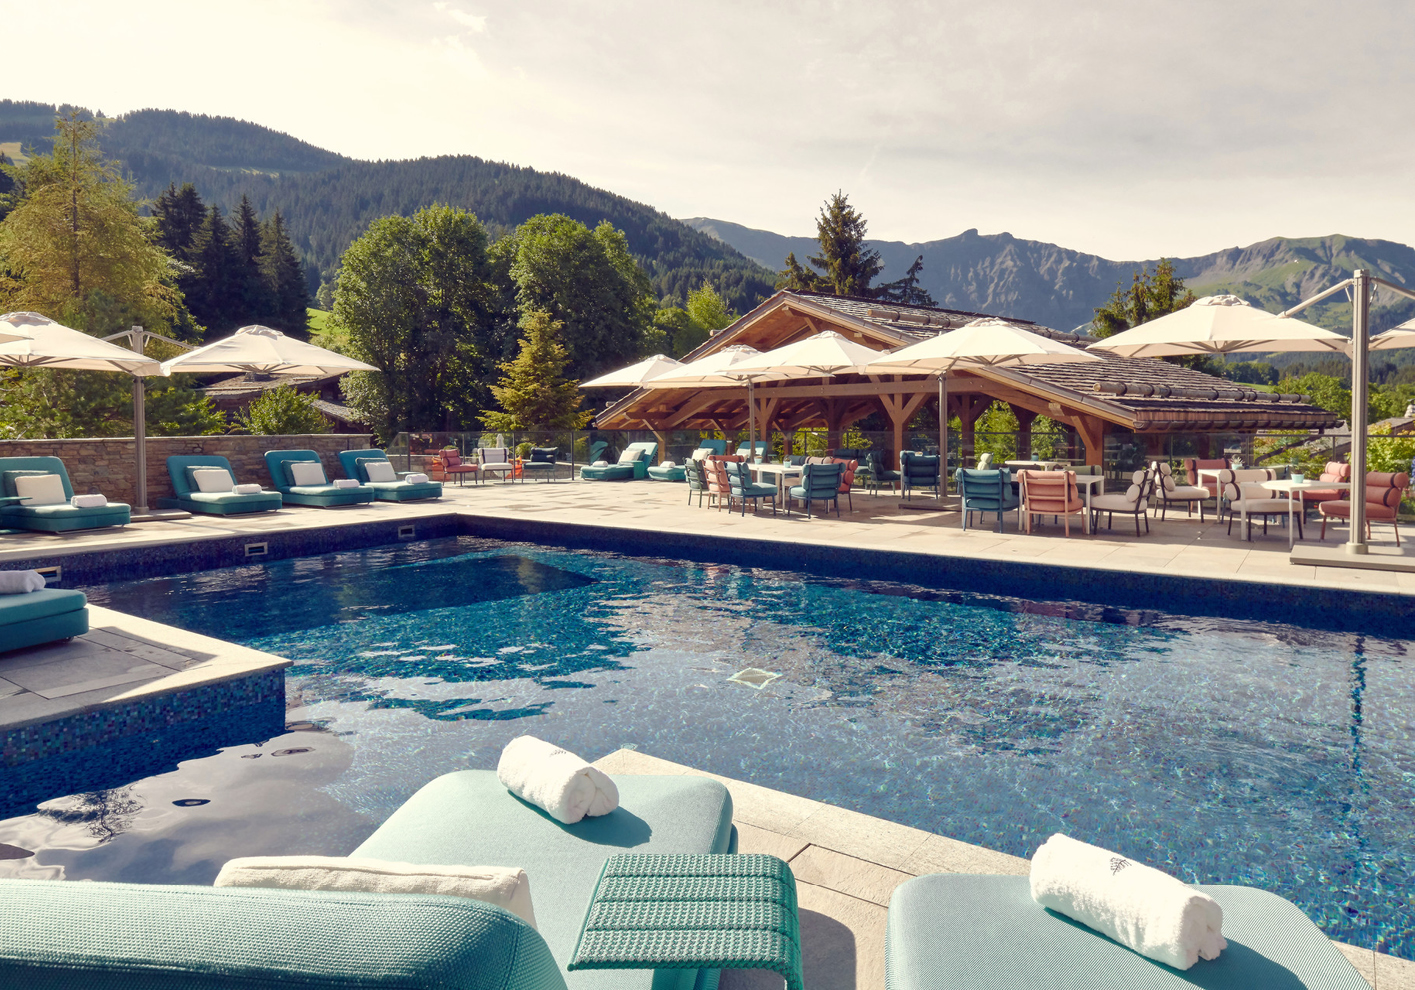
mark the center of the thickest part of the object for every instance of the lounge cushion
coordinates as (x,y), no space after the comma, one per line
(951,931)
(306,473)
(469,817)
(212,479)
(120,936)
(39,604)
(375,470)
(8,479)
(40,489)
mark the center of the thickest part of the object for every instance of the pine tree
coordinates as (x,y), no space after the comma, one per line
(907,290)
(256,297)
(215,300)
(180,214)
(1148,297)
(532,391)
(284,279)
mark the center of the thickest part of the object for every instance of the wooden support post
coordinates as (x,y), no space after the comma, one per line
(969,410)
(1024,431)
(662,437)
(1092,432)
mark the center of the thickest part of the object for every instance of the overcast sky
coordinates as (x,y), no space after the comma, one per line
(1125,128)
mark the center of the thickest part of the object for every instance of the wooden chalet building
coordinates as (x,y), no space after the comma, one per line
(1146,397)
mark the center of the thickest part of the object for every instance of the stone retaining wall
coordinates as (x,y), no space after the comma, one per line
(108,465)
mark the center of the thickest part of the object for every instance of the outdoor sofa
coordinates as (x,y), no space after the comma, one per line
(316,490)
(43,616)
(388,486)
(57,516)
(106,936)
(633,465)
(952,931)
(217,499)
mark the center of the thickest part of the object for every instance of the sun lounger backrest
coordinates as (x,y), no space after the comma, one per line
(11,467)
(179,469)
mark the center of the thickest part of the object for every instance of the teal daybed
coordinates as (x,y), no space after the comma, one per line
(106,936)
(356,464)
(633,464)
(58,517)
(955,930)
(189,496)
(42,616)
(678,472)
(283,476)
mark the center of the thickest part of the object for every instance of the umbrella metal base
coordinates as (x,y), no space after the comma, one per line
(1379,558)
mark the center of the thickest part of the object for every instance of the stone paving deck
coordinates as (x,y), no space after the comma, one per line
(847,866)
(1179,546)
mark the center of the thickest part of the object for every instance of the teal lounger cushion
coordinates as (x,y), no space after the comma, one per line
(951,931)
(355,464)
(470,818)
(41,617)
(64,935)
(277,462)
(658,472)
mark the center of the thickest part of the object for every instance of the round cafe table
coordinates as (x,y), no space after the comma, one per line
(1294,490)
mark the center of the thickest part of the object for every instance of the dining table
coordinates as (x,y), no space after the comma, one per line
(779,473)
(1294,489)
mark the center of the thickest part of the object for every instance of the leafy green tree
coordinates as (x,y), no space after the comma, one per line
(845,265)
(708,309)
(1325,391)
(533,392)
(588,281)
(677,329)
(1149,296)
(414,300)
(282,411)
(74,249)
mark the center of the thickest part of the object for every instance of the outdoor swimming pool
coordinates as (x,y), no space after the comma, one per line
(1221,751)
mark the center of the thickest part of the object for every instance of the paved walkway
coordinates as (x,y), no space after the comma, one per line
(1179,546)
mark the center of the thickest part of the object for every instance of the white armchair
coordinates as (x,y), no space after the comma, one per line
(1168,490)
(1134,501)
(496,460)
(1250,498)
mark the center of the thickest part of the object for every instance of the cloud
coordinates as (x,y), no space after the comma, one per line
(1128,129)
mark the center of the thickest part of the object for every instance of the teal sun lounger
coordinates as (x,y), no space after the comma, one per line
(118,936)
(189,496)
(58,517)
(635,468)
(43,616)
(322,494)
(358,463)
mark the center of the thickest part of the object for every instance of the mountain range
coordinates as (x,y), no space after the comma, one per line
(328,199)
(1059,287)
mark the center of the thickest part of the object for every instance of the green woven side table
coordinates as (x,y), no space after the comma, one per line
(693,912)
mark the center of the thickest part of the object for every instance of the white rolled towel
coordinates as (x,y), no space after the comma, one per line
(246,490)
(88,501)
(415,479)
(1153,913)
(20,582)
(556,780)
(345,483)
(668,464)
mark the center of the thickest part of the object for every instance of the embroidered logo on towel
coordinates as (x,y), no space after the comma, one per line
(1117,864)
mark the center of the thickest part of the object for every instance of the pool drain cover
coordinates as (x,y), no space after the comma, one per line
(754,677)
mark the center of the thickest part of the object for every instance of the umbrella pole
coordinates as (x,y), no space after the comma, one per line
(751,424)
(139,339)
(943,433)
(1360,372)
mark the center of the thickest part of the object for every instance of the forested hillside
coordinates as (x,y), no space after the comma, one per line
(327,200)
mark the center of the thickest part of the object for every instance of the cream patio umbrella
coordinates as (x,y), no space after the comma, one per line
(35,341)
(636,374)
(262,350)
(987,342)
(1222,324)
(716,369)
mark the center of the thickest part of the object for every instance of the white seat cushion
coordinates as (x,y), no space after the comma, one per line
(1256,505)
(380,471)
(630,456)
(213,479)
(307,473)
(1183,493)
(40,489)
(1115,502)
(506,887)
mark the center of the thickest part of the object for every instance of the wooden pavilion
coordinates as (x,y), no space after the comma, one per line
(1147,397)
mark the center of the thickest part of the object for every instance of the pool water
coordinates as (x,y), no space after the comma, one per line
(1221,751)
